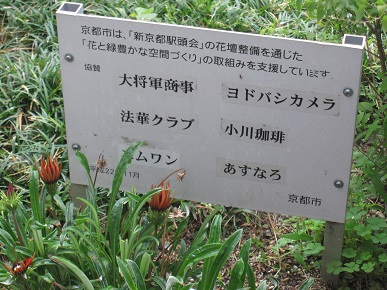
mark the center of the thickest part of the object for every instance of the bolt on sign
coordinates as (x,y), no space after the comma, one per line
(258,122)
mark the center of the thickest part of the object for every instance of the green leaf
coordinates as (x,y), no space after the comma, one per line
(274,281)
(365,106)
(114,223)
(215,229)
(123,164)
(313,249)
(180,231)
(362,230)
(376,223)
(34,196)
(126,274)
(377,183)
(214,237)
(380,238)
(4,225)
(199,254)
(59,202)
(298,5)
(320,12)
(383,257)
(251,277)
(75,270)
(306,285)
(334,267)
(135,272)
(351,267)
(349,253)
(262,286)
(224,253)
(145,263)
(134,214)
(160,282)
(244,255)
(8,244)
(85,163)
(173,280)
(384,23)
(372,128)
(368,267)
(365,255)
(298,237)
(201,234)
(42,205)
(385,119)
(359,13)
(299,258)
(236,277)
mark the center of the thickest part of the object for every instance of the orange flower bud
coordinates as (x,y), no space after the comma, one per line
(162,200)
(49,170)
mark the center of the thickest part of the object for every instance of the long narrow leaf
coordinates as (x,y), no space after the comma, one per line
(215,229)
(262,286)
(306,285)
(4,225)
(179,232)
(122,166)
(198,255)
(275,282)
(34,196)
(134,213)
(85,164)
(90,191)
(135,271)
(93,214)
(200,236)
(173,280)
(251,277)
(220,259)
(244,255)
(213,237)
(236,277)
(38,241)
(75,270)
(145,263)
(42,205)
(126,274)
(114,222)
(21,220)
(160,281)
(8,244)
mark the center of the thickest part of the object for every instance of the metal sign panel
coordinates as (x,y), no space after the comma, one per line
(257,122)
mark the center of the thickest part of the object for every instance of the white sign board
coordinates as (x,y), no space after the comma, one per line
(257,122)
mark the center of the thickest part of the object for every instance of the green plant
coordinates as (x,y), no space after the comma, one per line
(365,247)
(303,245)
(112,235)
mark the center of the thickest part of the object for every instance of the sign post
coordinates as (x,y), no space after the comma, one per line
(258,122)
(333,242)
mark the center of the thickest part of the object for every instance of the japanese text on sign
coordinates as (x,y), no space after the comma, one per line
(281,99)
(265,117)
(157,120)
(256,133)
(250,171)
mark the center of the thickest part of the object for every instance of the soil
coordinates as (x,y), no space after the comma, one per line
(264,229)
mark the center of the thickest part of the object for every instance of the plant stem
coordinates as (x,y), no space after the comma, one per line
(376,30)
(17,229)
(169,175)
(163,240)
(95,177)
